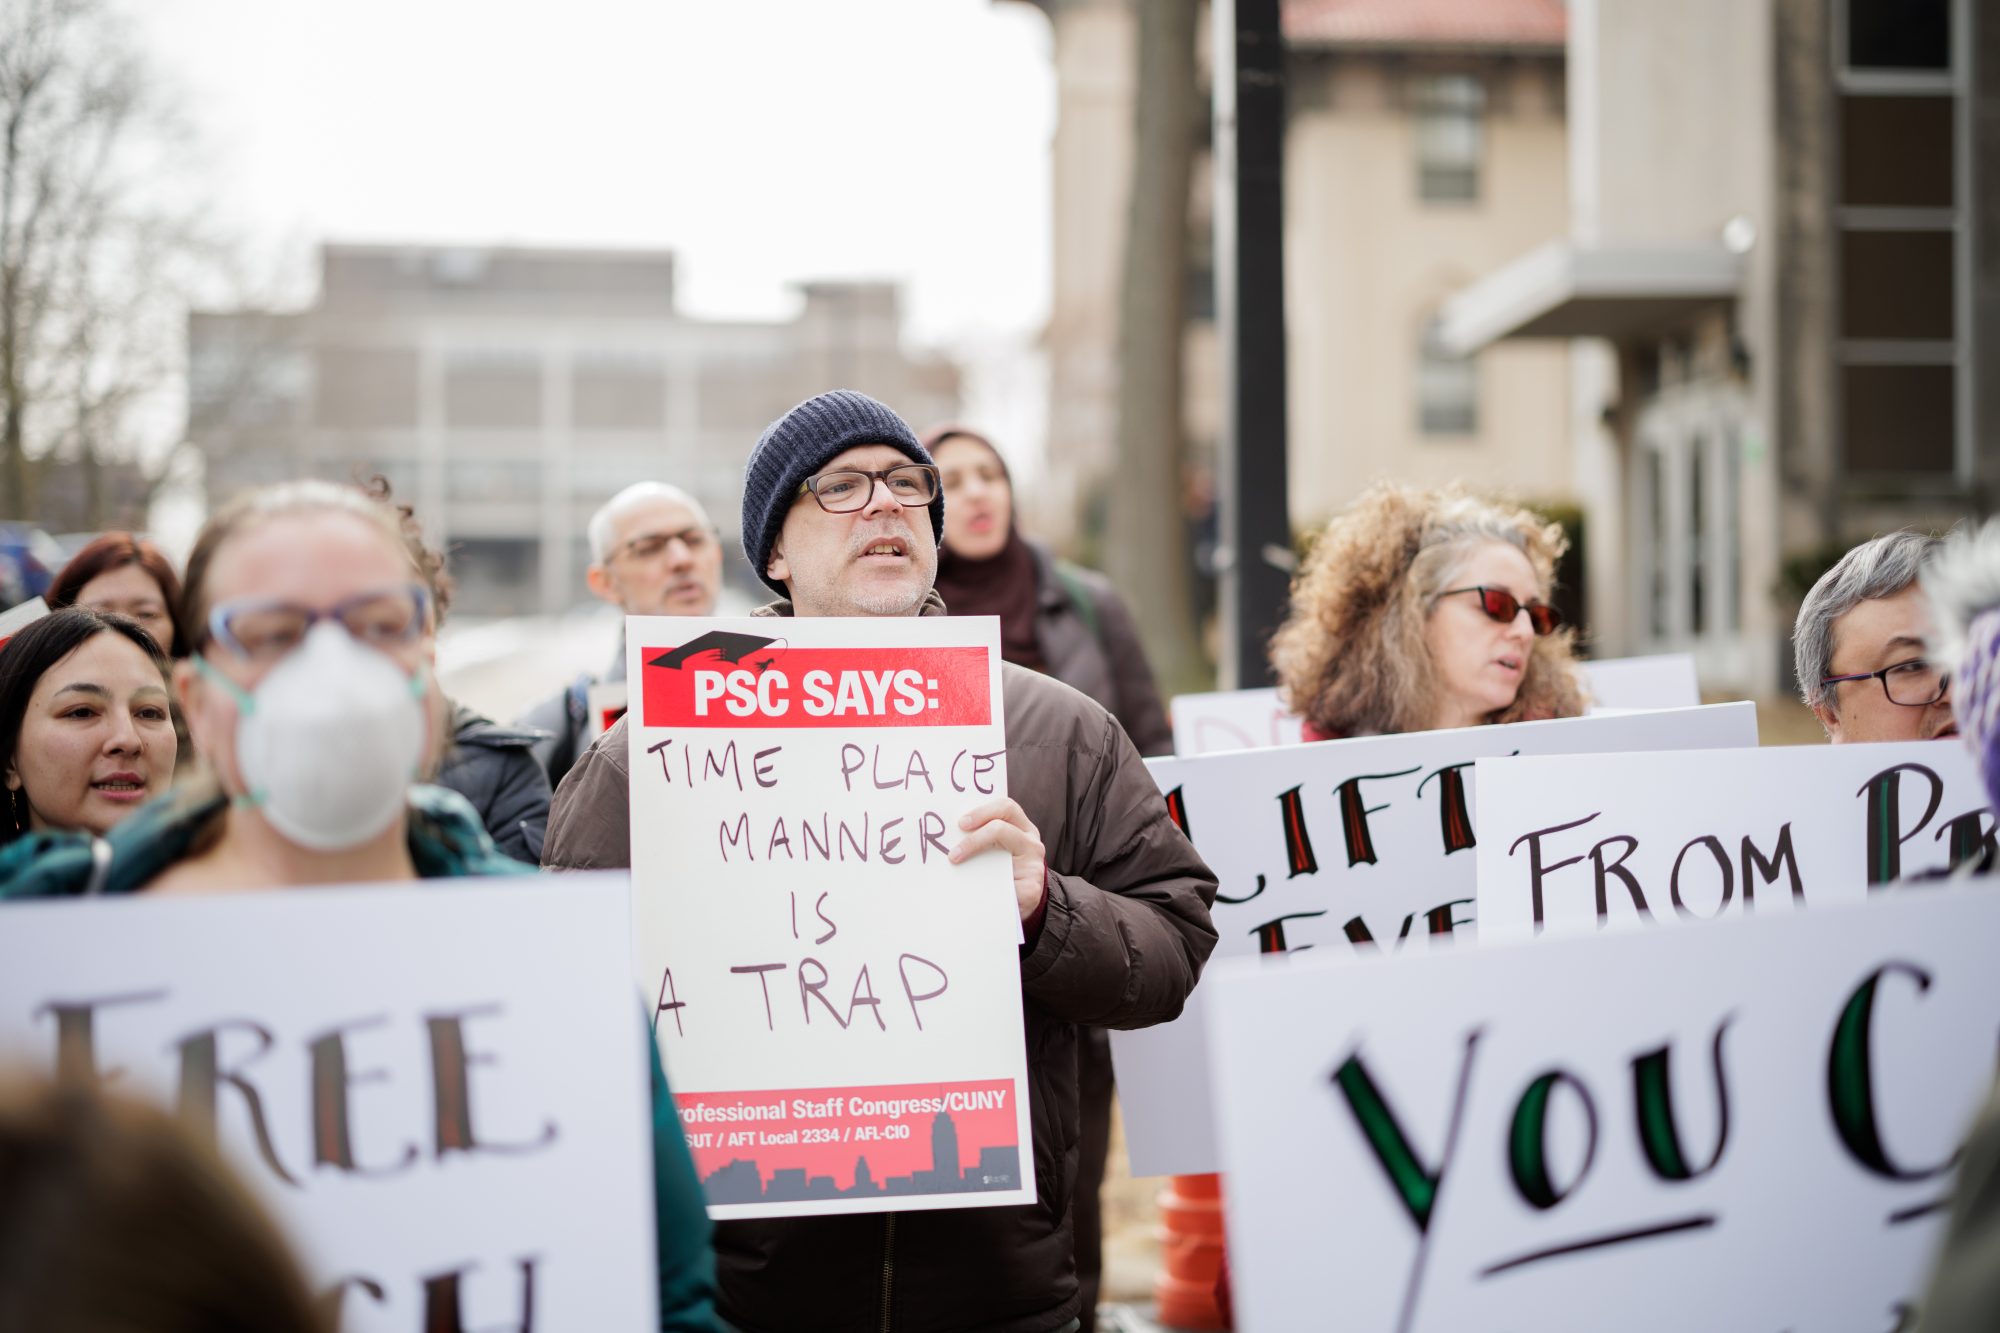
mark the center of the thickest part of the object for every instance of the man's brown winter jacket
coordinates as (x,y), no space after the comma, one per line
(1123,942)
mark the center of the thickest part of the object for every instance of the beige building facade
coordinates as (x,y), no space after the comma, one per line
(1417,156)
(507,393)
(1412,166)
(1781,265)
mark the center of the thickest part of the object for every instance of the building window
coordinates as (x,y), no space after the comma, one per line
(1447,388)
(1904,338)
(1449,110)
(366,388)
(615,390)
(493,390)
(1899,34)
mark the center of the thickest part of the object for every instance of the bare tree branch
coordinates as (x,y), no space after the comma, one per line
(101,248)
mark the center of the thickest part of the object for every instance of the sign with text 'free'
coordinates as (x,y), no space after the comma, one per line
(839,1007)
(440,1091)
(1360,846)
(1578,843)
(1750,1126)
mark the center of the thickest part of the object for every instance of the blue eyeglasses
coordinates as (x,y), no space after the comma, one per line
(261,630)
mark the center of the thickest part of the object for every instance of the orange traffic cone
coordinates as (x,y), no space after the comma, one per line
(1191,1253)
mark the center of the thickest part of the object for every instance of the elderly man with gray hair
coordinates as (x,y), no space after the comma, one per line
(1858,646)
(653,552)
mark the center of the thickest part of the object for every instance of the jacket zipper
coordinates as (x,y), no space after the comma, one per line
(888,1264)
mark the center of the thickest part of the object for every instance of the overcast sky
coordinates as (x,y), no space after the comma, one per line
(765,141)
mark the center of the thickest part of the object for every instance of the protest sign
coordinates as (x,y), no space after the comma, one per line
(839,1007)
(1577,843)
(605,704)
(1360,846)
(1745,1127)
(1257,719)
(1231,720)
(1665,680)
(19,617)
(441,1092)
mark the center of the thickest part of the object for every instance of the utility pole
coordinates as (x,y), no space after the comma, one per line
(1255,554)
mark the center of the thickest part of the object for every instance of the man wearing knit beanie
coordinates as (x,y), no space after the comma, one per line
(866,561)
(1113,899)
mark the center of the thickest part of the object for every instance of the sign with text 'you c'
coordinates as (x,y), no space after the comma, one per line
(1360,846)
(1751,1126)
(441,1091)
(839,1007)
(1579,843)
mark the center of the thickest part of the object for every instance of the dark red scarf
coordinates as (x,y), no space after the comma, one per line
(1003,584)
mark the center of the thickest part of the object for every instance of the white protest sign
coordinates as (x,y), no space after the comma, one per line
(1666,680)
(604,704)
(1257,719)
(442,1091)
(839,1007)
(1231,720)
(1359,846)
(1576,843)
(19,617)
(1745,1127)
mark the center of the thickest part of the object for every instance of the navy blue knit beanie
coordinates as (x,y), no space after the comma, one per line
(800,443)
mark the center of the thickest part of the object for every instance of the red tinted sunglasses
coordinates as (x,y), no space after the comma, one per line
(1503,606)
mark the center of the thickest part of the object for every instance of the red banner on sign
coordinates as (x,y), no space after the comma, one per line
(843,1143)
(765,684)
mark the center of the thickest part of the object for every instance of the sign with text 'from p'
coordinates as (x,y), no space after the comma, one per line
(1750,1126)
(839,1007)
(442,1092)
(1256,719)
(1360,846)
(1578,843)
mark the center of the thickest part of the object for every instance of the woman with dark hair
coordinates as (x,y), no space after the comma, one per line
(121,572)
(85,726)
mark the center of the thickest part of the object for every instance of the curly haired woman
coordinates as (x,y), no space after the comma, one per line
(1419,610)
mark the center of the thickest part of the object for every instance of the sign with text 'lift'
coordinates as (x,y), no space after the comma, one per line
(1360,846)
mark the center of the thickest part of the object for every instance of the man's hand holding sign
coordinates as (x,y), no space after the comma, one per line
(1004,825)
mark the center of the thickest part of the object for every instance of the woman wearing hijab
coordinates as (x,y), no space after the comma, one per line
(1055,618)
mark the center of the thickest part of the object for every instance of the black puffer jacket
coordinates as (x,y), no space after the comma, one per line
(494,768)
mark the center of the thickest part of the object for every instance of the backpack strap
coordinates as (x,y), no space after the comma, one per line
(1079,597)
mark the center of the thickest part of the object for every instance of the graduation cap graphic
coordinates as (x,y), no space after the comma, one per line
(727,647)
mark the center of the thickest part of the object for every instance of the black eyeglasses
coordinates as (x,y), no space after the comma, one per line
(1913,684)
(650,545)
(849,489)
(1503,606)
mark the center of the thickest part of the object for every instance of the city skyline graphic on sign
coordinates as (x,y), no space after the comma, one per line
(998,1168)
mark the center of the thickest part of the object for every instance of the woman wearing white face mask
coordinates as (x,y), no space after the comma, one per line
(308,692)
